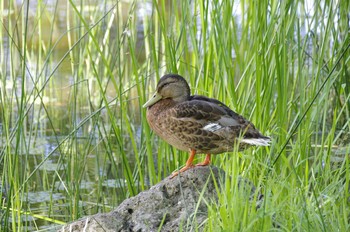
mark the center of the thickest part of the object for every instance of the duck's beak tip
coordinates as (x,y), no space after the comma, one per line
(155,98)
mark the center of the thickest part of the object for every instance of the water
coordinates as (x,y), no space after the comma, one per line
(64,157)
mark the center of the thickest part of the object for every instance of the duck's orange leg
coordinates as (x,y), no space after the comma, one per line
(206,161)
(189,164)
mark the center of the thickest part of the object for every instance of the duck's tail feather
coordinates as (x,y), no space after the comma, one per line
(263,141)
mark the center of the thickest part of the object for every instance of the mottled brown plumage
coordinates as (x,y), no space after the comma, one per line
(197,123)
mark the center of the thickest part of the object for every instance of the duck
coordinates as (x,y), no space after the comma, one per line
(197,124)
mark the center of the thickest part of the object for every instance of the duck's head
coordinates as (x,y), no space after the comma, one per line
(170,86)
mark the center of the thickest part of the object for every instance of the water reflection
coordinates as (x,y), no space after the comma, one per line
(42,197)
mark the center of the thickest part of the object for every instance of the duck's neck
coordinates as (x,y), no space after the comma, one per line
(162,105)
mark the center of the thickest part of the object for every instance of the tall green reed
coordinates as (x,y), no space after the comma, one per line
(267,64)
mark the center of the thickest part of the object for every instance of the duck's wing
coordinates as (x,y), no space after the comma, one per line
(218,105)
(214,116)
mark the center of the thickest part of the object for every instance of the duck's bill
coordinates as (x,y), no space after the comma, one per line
(156,97)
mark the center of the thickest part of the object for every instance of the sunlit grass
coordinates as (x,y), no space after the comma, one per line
(284,66)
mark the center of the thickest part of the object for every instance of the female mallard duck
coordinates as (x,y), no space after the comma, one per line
(196,123)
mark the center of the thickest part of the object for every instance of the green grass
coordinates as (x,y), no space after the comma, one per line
(74,77)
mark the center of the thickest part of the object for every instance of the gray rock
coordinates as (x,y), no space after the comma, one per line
(171,204)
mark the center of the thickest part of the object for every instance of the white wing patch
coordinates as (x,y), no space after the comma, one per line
(212,127)
(257,142)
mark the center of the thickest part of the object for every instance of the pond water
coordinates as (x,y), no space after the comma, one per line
(51,148)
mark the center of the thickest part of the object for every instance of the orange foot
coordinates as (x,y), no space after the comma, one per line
(206,161)
(189,164)
(181,170)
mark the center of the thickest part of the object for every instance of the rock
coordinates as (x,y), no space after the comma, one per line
(170,204)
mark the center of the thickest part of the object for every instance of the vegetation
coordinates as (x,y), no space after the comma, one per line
(74,77)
